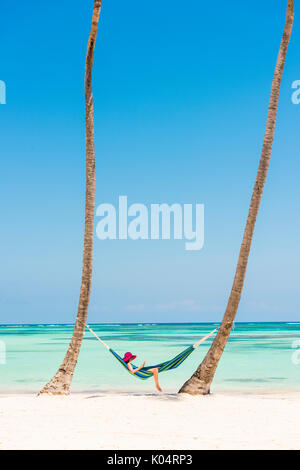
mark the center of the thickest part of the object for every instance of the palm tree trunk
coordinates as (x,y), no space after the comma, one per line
(201,380)
(60,383)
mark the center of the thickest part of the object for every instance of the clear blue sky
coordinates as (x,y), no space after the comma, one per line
(180,96)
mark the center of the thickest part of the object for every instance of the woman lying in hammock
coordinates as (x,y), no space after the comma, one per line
(129,357)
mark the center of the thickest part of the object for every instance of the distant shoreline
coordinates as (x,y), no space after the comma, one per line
(289,322)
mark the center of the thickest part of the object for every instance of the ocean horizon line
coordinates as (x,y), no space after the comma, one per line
(154,323)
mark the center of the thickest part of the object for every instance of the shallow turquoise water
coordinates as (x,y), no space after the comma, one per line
(258,356)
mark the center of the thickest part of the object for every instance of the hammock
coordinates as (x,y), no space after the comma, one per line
(145,373)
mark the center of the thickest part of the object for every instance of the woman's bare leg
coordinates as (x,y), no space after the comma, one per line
(155,376)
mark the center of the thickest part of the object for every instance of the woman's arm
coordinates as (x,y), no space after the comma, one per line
(132,370)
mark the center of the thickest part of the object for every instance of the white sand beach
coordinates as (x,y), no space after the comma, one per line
(137,421)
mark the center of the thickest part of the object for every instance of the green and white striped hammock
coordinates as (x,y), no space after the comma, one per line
(145,373)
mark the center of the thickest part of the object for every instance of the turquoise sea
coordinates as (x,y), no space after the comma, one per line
(258,356)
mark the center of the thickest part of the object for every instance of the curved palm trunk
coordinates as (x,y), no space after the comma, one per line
(60,383)
(201,380)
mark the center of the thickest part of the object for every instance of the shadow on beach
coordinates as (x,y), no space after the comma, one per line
(168,396)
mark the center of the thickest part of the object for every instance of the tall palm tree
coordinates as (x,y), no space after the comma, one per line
(60,383)
(200,381)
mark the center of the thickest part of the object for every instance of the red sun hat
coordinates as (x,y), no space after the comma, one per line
(128,356)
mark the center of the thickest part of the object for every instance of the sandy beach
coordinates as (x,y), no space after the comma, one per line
(151,421)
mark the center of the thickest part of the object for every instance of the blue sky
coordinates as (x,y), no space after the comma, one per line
(180,99)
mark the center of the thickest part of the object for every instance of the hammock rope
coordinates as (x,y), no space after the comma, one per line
(145,373)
